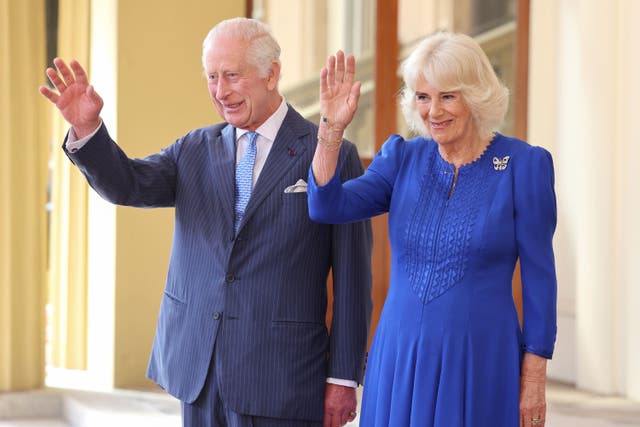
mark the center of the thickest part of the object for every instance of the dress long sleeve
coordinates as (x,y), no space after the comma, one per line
(363,197)
(535,220)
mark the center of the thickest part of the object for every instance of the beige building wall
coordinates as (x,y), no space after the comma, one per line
(22,196)
(583,83)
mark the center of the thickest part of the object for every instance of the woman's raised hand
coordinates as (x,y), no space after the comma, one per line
(339,92)
(76,99)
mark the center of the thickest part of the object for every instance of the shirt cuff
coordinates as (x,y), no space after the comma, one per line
(73,144)
(346,383)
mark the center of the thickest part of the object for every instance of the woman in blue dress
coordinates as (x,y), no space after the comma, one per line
(464,204)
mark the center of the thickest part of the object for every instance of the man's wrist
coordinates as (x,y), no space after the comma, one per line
(88,129)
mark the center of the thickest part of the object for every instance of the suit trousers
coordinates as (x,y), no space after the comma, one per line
(209,409)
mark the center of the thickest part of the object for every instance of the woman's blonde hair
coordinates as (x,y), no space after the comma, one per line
(453,62)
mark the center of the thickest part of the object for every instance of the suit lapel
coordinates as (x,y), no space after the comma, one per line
(287,150)
(223,172)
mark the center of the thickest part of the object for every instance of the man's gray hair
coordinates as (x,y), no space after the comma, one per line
(263,48)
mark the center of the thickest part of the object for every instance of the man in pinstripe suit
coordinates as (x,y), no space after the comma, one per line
(241,337)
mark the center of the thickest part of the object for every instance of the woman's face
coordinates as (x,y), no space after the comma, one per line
(445,114)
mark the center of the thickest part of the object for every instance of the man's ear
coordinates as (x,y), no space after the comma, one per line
(274,75)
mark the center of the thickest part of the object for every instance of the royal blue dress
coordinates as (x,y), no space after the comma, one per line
(448,346)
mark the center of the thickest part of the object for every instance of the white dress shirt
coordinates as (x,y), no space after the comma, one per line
(266,136)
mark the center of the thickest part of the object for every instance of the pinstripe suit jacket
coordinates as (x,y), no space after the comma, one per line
(260,297)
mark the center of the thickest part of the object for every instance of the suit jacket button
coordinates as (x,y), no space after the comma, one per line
(216,315)
(229,278)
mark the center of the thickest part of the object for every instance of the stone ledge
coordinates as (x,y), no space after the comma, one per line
(30,404)
(93,409)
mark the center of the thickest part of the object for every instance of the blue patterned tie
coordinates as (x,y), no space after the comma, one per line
(244,178)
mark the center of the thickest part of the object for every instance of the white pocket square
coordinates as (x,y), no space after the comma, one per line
(298,187)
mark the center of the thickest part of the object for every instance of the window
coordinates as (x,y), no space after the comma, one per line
(308,31)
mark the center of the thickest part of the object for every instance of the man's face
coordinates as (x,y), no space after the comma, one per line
(241,96)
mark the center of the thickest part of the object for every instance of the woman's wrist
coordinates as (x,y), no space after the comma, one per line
(534,368)
(329,134)
(533,379)
(330,145)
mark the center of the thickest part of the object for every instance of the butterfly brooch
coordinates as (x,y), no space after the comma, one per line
(500,164)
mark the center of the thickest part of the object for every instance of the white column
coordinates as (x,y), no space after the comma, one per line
(588,110)
(544,129)
(583,91)
(101,214)
(628,195)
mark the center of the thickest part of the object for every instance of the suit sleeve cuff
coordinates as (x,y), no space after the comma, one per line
(73,144)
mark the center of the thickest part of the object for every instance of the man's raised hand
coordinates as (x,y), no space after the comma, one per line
(76,99)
